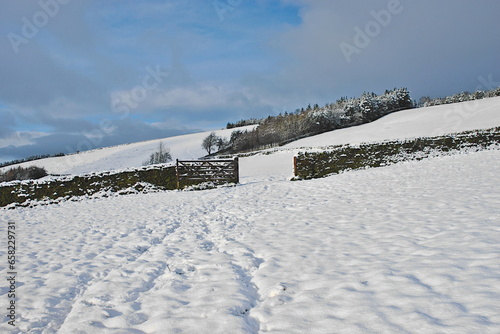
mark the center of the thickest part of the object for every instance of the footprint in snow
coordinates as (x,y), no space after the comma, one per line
(137,318)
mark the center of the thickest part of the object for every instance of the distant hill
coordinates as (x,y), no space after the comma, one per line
(429,121)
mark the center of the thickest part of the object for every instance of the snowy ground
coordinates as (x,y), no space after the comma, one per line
(409,248)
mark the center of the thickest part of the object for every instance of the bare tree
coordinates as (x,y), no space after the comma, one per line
(159,157)
(210,142)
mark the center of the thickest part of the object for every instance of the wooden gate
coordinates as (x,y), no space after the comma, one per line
(219,171)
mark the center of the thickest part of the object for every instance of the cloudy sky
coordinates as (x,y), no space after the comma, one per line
(82,74)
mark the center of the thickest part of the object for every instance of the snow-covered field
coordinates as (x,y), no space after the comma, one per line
(410,248)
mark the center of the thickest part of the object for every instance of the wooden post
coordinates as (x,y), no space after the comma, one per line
(237,169)
(177,172)
(295,165)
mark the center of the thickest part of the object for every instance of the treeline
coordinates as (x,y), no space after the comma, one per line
(243,122)
(345,112)
(460,97)
(32,158)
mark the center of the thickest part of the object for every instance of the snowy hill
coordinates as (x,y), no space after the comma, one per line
(186,147)
(431,121)
(421,122)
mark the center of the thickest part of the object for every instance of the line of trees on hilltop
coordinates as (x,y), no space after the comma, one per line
(426,101)
(243,122)
(345,112)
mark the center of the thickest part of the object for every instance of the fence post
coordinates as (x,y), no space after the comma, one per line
(177,173)
(237,169)
(295,165)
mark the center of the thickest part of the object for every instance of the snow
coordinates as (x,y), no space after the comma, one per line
(185,147)
(421,122)
(430,121)
(410,248)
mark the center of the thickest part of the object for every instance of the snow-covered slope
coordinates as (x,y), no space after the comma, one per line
(430,121)
(421,122)
(186,147)
(410,248)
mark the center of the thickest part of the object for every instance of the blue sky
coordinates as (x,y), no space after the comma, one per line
(77,74)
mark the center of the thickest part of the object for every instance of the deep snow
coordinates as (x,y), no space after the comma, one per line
(410,248)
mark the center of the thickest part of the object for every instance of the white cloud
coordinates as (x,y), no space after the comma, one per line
(196,97)
(21,138)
